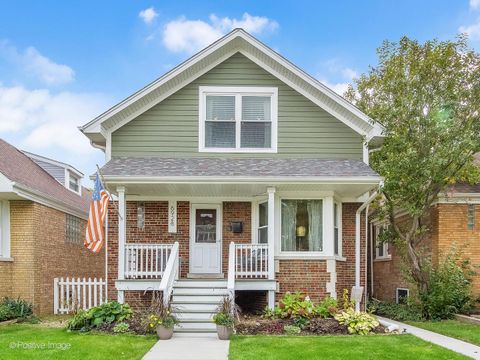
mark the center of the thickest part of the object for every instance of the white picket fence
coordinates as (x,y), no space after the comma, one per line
(70,294)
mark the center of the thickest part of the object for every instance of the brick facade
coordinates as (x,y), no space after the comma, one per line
(448,229)
(40,253)
(305,275)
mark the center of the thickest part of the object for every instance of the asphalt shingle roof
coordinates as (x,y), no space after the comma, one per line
(241,167)
(19,168)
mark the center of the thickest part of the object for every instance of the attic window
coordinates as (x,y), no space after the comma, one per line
(240,119)
(74,183)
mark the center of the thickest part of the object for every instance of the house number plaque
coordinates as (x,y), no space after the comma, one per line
(172,216)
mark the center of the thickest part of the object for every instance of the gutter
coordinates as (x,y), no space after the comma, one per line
(357,241)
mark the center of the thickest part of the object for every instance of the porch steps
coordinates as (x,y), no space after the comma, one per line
(195,302)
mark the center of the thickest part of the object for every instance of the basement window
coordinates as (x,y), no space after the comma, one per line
(402,295)
(73,229)
(471,216)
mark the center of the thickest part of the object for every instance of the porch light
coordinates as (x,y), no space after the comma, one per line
(301,231)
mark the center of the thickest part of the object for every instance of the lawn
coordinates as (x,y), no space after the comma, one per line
(453,328)
(25,341)
(337,347)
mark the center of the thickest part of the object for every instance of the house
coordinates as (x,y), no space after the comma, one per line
(235,172)
(453,225)
(43,212)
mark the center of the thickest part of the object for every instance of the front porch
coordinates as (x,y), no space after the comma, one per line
(162,239)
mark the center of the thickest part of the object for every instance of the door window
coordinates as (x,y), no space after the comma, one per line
(206,226)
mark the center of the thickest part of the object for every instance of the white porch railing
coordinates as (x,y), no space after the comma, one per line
(70,294)
(231,271)
(251,261)
(170,274)
(146,261)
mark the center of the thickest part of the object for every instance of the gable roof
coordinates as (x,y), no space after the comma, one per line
(100,128)
(29,180)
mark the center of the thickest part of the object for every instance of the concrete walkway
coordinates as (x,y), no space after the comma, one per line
(458,346)
(189,347)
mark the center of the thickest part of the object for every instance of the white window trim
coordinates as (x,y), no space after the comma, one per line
(304,254)
(67,182)
(396,293)
(386,255)
(5,231)
(255,213)
(340,230)
(238,91)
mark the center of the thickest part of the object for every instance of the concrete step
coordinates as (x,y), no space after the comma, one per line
(194,331)
(197,324)
(200,283)
(198,297)
(185,306)
(195,315)
(200,291)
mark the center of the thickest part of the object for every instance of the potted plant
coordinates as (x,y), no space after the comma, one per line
(161,318)
(225,318)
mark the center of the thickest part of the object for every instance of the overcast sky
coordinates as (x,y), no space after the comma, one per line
(62,63)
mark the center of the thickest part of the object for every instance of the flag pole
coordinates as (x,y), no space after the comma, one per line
(109,192)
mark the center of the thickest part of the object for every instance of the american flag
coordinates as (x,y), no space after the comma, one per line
(95,233)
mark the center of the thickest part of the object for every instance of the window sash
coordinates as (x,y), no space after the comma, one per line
(269,117)
(381,249)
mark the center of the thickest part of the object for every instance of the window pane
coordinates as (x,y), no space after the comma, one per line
(220,108)
(219,134)
(256,135)
(206,226)
(302,225)
(263,214)
(256,108)
(263,235)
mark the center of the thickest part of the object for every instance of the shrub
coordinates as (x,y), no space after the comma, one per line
(224,320)
(292,330)
(360,323)
(14,309)
(295,305)
(449,288)
(160,313)
(327,308)
(121,328)
(400,312)
(110,312)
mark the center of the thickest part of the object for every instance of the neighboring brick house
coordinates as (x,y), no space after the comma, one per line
(453,224)
(43,212)
(235,172)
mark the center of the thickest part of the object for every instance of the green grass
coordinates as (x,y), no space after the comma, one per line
(80,346)
(383,347)
(452,328)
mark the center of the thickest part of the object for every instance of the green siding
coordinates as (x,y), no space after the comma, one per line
(170,128)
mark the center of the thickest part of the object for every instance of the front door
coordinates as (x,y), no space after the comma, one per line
(206,242)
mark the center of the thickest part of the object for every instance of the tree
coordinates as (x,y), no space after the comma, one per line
(427,96)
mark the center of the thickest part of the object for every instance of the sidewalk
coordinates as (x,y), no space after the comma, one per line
(458,346)
(189,347)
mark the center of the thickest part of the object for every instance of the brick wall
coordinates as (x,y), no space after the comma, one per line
(346,269)
(5,279)
(40,253)
(235,211)
(307,276)
(452,231)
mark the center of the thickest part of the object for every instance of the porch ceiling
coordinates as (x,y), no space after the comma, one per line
(183,190)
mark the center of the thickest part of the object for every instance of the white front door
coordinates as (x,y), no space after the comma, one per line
(206,239)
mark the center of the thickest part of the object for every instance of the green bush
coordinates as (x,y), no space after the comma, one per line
(360,323)
(399,312)
(15,309)
(224,320)
(327,308)
(121,328)
(227,310)
(292,329)
(295,305)
(448,290)
(110,312)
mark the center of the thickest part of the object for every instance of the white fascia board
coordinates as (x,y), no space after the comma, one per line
(248,180)
(54,162)
(40,198)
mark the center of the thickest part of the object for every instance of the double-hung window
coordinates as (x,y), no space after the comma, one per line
(238,119)
(382,250)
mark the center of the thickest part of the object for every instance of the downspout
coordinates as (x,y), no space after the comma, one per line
(366,253)
(357,242)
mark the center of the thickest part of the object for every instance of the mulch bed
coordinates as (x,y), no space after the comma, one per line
(257,325)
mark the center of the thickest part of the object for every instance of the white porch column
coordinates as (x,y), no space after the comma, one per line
(328,229)
(121,237)
(271,243)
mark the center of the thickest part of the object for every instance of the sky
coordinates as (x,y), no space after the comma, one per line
(62,62)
